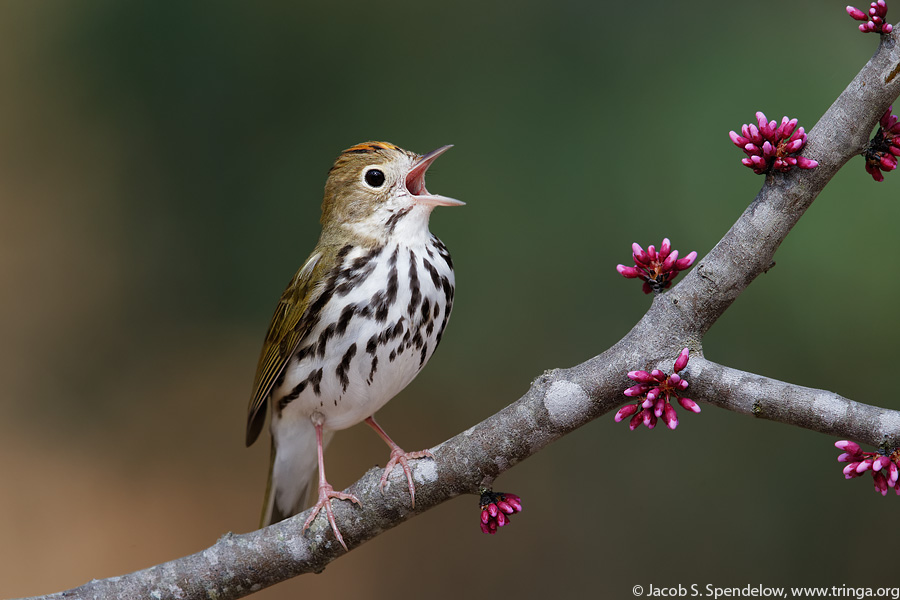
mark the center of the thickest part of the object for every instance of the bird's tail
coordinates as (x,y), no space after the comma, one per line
(293,470)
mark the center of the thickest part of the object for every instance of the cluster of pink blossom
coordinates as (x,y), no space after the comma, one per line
(874,19)
(885,469)
(882,152)
(772,147)
(654,391)
(496,508)
(657,268)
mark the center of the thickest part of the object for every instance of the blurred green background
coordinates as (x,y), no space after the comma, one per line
(161,169)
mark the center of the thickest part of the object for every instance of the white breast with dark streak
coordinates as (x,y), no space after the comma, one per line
(387,312)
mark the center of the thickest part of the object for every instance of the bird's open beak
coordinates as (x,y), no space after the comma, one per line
(415,181)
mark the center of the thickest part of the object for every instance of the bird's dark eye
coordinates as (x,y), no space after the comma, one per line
(375,177)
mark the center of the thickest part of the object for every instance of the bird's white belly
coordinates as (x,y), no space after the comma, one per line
(376,351)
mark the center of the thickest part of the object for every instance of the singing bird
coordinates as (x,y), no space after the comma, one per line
(355,325)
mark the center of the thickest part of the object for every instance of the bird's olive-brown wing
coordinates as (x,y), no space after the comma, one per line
(288,327)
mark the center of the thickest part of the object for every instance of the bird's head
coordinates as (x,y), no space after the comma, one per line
(371,183)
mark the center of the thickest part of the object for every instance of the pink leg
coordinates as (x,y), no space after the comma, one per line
(398,456)
(326,493)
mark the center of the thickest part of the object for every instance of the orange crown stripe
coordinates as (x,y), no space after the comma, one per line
(371,146)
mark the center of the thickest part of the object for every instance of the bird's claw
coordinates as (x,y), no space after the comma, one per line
(398,456)
(326,493)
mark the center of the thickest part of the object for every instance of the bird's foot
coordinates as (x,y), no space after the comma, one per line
(326,493)
(398,456)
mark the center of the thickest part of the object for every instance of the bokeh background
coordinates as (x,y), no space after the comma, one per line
(161,169)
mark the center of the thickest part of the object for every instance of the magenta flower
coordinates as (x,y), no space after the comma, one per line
(654,391)
(656,267)
(885,468)
(882,152)
(772,147)
(496,508)
(874,19)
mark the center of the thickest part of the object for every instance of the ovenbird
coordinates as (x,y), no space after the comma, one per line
(355,325)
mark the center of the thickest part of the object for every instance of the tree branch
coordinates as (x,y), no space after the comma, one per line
(560,401)
(809,408)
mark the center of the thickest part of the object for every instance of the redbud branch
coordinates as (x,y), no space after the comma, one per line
(747,250)
(238,565)
(809,408)
(561,401)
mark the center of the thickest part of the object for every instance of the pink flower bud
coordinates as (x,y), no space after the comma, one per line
(683,263)
(688,404)
(881,485)
(670,418)
(794,146)
(753,133)
(669,261)
(805,163)
(665,248)
(788,128)
(848,446)
(625,412)
(857,14)
(629,272)
(660,407)
(682,360)
(878,462)
(637,390)
(642,376)
(639,254)
(636,421)
(864,466)
(738,141)
(851,468)
(514,501)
